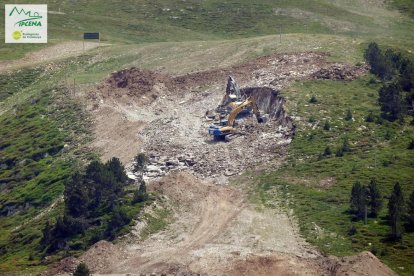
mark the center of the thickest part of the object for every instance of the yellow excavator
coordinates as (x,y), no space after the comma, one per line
(227,126)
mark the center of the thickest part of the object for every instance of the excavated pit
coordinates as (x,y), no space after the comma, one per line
(165,115)
(182,141)
(269,102)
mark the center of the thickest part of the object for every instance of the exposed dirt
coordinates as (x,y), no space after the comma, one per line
(364,263)
(61,50)
(215,231)
(172,108)
(213,228)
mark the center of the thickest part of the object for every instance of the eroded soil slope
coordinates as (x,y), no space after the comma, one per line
(214,229)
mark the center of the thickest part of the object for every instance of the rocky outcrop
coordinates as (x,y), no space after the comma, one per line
(270,102)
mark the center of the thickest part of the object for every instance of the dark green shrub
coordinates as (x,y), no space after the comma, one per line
(82,270)
(327,125)
(313,99)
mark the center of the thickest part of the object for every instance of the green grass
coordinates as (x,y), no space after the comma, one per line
(15,82)
(405,6)
(377,150)
(42,133)
(144,21)
(32,176)
(155,222)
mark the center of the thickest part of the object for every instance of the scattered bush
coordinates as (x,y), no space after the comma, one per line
(411,145)
(82,270)
(327,151)
(352,230)
(141,194)
(327,125)
(348,116)
(313,99)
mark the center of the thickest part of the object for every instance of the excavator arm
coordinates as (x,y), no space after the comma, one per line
(220,132)
(249,102)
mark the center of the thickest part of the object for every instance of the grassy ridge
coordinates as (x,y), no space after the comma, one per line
(34,176)
(318,187)
(146,21)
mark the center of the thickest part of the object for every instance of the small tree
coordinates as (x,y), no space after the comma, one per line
(411,145)
(374,198)
(327,125)
(327,151)
(348,116)
(140,164)
(313,99)
(358,200)
(396,211)
(141,195)
(390,100)
(374,57)
(345,145)
(81,270)
(410,212)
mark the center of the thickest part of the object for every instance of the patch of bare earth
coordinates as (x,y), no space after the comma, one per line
(214,230)
(50,53)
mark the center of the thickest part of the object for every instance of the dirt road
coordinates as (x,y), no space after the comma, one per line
(214,232)
(61,50)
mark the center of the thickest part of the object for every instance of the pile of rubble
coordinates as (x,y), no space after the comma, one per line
(341,72)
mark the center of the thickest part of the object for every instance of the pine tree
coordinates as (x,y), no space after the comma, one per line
(76,196)
(141,195)
(374,198)
(390,100)
(118,170)
(81,270)
(410,212)
(358,200)
(140,163)
(396,211)
(374,57)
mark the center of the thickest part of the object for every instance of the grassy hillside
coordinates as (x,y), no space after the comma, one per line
(154,21)
(318,187)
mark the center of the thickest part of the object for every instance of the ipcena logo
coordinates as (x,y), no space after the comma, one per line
(31,20)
